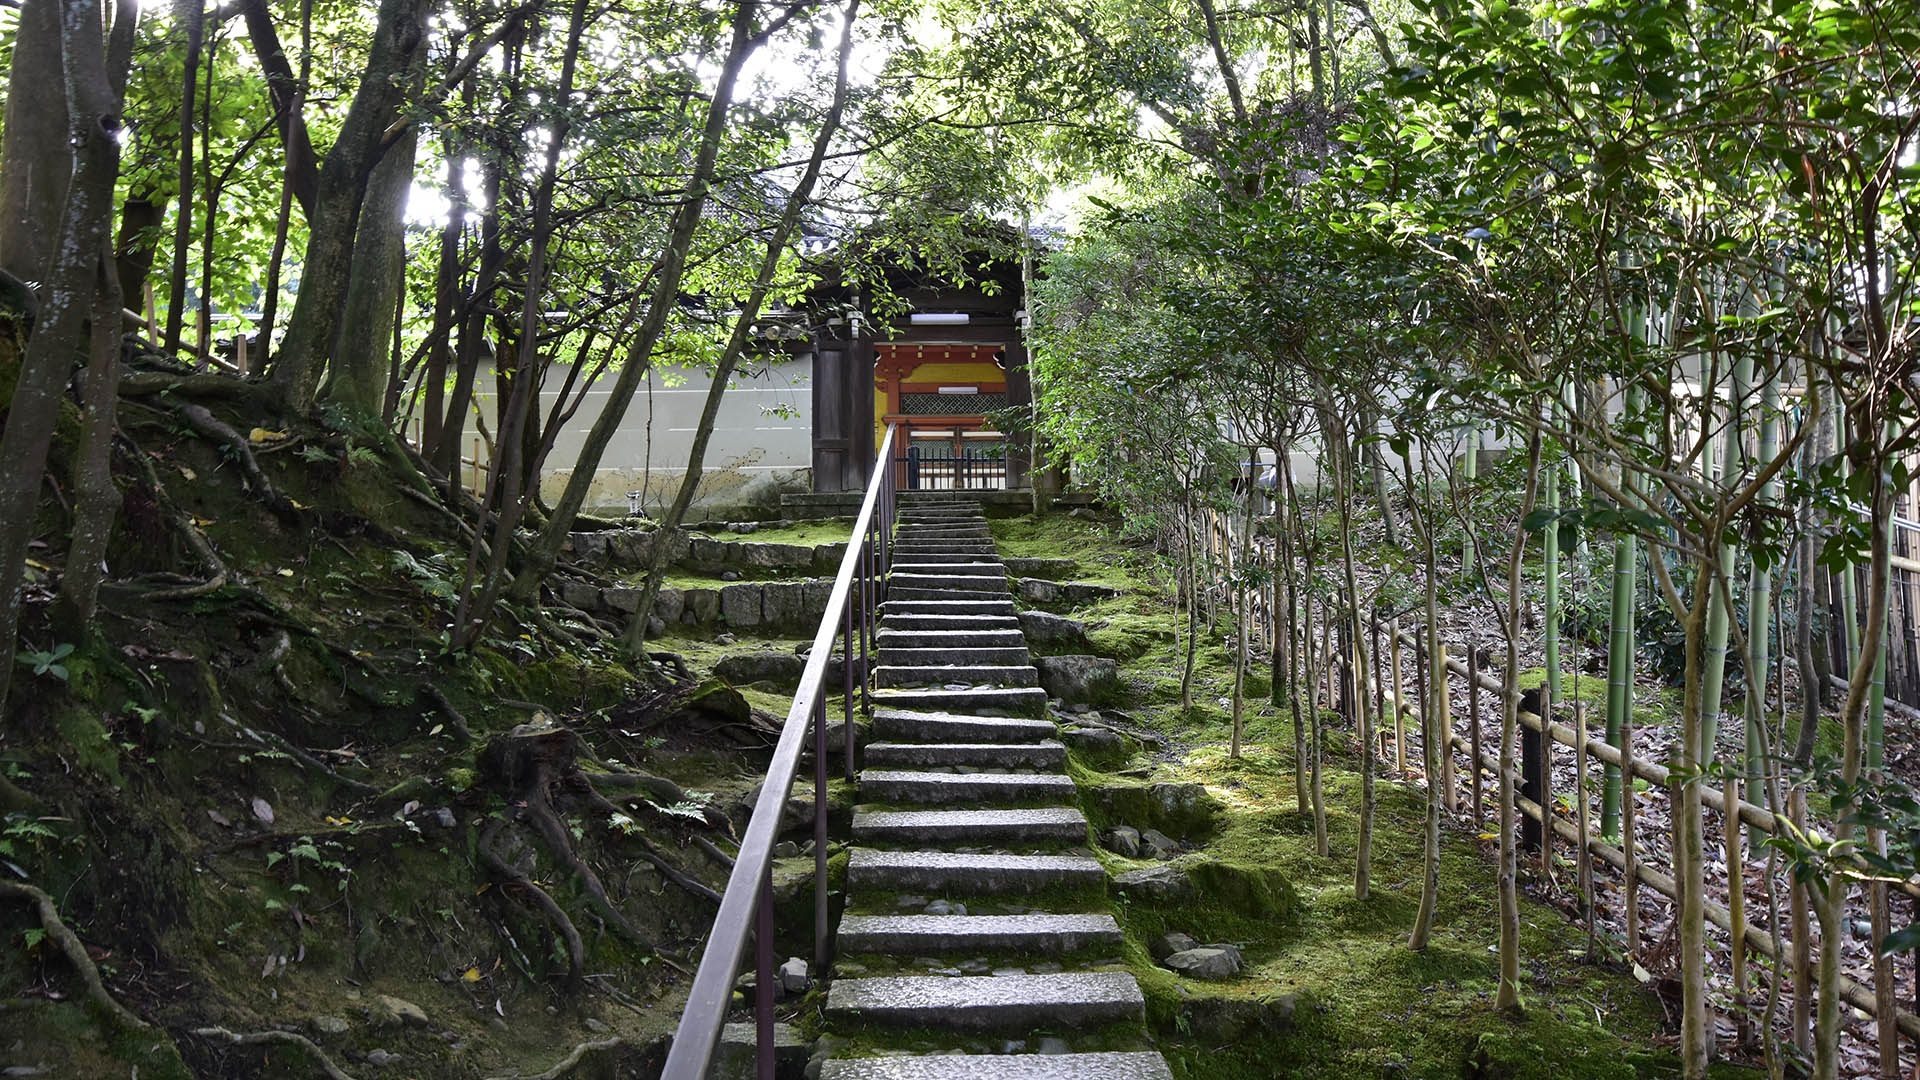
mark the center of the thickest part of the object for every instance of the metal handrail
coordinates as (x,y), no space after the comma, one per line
(746,905)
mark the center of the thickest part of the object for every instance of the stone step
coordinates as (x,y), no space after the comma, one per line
(907,725)
(1050,754)
(1002,606)
(943,544)
(961,874)
(909,542)
(950,569)
(985,1002)
(969,655)
(903,559)
(954,674)
(1105,1065)
(999,700)
(993,585)
(903,786)
(924,531)
(911,641)
(916,935)
(950,623)
(1045,824)
(900,591)
(940,513)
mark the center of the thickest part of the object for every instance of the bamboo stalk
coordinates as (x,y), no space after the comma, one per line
(1399,714)
(1737,913)
(1473,732)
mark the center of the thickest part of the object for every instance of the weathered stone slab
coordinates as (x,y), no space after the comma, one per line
(974,875)
(1143,1065)
(1052,823)
(914,934)
(904,786)
(936,726)
(1068,999)
(1048,754)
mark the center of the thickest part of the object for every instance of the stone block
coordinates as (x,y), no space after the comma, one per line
(774,556)
(1079,677)
(581,595)
(669,605)
(740,604)
(702,606)
(827,557)
(783,605)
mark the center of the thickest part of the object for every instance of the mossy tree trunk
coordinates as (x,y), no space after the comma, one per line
(1508,995)
(313,328)
(507,478)
(80,267)
(744,323)
(544,551)
(1430,749)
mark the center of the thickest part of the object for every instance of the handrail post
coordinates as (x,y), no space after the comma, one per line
(866,606)
(820,833)
(847,661)
(763,978)
(746,904)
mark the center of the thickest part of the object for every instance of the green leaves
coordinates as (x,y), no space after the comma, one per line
(47,662)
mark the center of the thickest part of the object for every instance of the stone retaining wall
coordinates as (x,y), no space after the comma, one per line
(632,549)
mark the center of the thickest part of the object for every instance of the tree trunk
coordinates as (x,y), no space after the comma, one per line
(1242,626)
(96,497)
(34,168)
(1295,675)
(192,15)
(506,478)
(1430,712)
(545,550)
(1689,834)
(367,323)
(737,342)
(1620,656)
(141,215)
(1832,894)
(474,347)
(1508,996)
(313,327)
(288,95)
(79,254)
(1803,607)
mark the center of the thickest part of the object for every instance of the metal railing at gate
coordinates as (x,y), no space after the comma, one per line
(746,907)
(966,469)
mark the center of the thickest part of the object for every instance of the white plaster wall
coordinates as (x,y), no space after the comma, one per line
(754,451)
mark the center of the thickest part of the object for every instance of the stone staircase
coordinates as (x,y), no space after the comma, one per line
(965,831)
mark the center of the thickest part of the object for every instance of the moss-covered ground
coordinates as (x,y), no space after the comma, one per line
(1330,985)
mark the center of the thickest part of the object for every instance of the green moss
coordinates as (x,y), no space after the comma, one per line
(93,745)
(580,681)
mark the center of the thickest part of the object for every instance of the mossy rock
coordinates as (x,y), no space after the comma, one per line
(1256,892)
(1513,1055)
(1234,1019)
(1182,810)
(716,698)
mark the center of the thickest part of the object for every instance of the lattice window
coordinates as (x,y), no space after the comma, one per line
(951,404)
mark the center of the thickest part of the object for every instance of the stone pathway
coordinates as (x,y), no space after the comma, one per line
(977,942)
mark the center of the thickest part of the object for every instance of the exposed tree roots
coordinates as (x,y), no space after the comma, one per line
(535,768)
(182,522)
(76,953)
(566,1064)
(212,427)
(282,744)
(285,1038)
(507,873)
(453,715)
